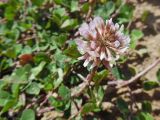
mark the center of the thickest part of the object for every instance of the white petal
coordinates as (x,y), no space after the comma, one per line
(128,40)
(93,45)
(81,58)
(99,24)
(92,66)
(93,54)
(117,57)
(81,45)
(84,31)
(103,55)
(116,43)
(123,50)
(86,62)
(109,54)
(121,28)
(110,21)
(117,26)
(110,64)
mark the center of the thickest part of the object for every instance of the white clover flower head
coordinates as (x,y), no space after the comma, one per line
(104,42)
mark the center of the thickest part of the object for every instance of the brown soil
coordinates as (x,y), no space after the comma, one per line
(151,41)
(151,30)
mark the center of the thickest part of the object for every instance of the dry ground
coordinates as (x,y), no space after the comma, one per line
(151,41)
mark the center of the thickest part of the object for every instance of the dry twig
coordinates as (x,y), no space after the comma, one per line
(121,83)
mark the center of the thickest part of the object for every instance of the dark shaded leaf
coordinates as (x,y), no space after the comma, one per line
(122,106)
(148,85)
(146,106)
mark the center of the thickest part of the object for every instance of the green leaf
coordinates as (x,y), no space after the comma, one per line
(115,71)
(74,6)
(33,89)
(146,106)
(64,92)
(56,103)
(99,76)
(88,107)
(85,7)
(58,1)
(98,94)
(9,103)
(105,10)
(39,57)
(145,116)
(69,24)
(148,85)
(125,14)
(26,50)
(61,39)
(72,51)
(122,106)
(37,2)
(135,36)
(4,97)
(10,12)
(35,71)
(28,114)
(59,80)
(19,76)
(60,58)
(59,12)
(15,90)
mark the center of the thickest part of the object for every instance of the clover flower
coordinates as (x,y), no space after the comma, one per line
(104,42)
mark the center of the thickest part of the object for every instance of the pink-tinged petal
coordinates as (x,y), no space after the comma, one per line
(118,34)
(104,42)
(102,56)
(127,40)
(112,28)
(81,42)
(93,54)
(106,64)
(98,24)
(109,22)
(98,49)
(84,27)
(82,45)
(85,31)
(93,31)
(93,45)
(93,35)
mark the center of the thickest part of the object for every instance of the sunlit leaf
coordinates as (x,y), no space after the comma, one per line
(28,114)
